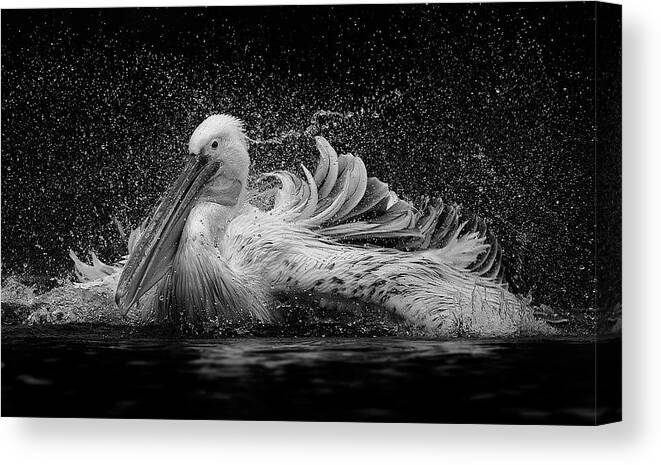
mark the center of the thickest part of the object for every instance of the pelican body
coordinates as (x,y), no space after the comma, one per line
(207,254)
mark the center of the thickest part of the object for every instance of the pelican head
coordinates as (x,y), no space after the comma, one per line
(222,138)
(215,175)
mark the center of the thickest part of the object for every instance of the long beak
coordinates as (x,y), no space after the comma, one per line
(153,255)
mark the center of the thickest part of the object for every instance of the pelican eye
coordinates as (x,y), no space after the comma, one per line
(214,144)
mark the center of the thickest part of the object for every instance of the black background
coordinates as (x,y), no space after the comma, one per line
(490,106)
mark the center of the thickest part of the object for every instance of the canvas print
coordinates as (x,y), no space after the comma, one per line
(381,213)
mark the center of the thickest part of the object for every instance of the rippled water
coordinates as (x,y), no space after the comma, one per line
(97,371)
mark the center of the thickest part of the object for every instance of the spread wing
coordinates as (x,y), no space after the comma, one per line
(341,202)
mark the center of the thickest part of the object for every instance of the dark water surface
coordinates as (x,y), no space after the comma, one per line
(110,372)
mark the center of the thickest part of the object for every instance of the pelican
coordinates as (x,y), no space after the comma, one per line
(335,235)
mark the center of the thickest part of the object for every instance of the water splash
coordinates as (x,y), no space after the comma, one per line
(92,302)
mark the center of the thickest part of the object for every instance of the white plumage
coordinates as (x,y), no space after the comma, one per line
(336,234)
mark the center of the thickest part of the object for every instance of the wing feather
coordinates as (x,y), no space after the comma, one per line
(341,202)
(326,177)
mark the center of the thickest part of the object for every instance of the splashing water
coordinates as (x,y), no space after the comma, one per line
(93,302)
